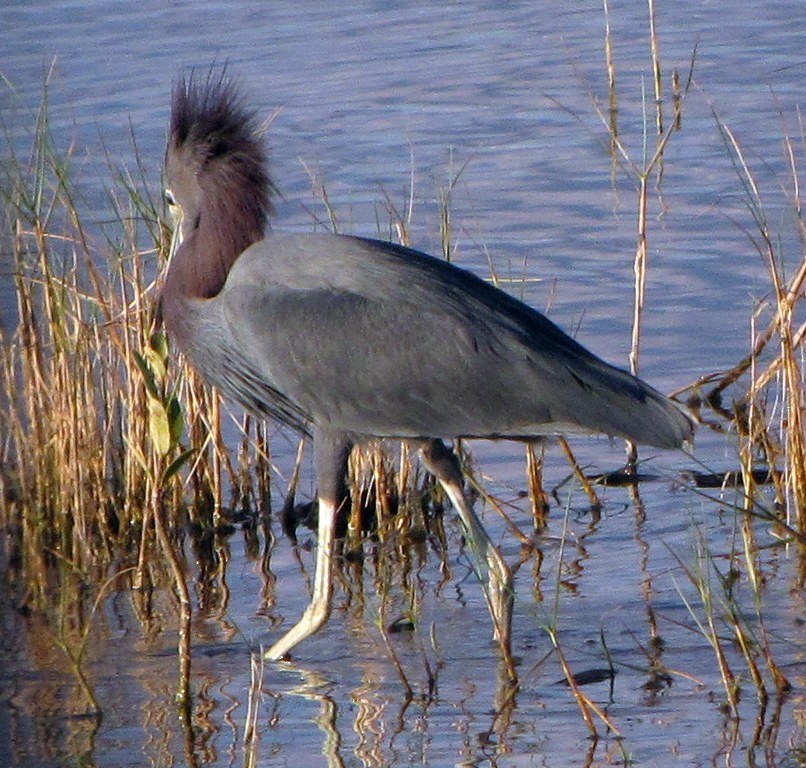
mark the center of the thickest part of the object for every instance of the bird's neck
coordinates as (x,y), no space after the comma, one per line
(201,264)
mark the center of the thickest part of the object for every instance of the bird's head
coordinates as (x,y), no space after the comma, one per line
(216,177)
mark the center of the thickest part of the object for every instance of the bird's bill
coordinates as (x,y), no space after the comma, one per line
(175,213)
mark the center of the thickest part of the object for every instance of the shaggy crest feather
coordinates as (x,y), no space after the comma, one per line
(213,129)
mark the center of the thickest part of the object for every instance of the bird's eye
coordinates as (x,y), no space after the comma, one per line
(170,199)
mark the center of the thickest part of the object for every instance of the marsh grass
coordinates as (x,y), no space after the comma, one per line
(102,469)
(642,172)
(251,734)
(68,362)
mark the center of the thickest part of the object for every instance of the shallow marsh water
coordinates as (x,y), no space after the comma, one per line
(375,100)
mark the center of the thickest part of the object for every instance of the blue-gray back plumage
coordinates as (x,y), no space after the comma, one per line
(379,340)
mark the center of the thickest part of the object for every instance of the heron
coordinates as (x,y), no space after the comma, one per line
(349,339)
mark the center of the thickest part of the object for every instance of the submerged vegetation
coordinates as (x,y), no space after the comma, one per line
(114,458)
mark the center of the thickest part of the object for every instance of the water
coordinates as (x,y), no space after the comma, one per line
(375,99)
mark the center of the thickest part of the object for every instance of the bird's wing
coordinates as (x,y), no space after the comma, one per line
(380,340)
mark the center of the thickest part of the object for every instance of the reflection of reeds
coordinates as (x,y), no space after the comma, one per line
(251,735)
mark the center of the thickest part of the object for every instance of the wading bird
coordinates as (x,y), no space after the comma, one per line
(349,339)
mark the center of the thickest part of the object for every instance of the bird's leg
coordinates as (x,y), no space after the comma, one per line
(498,592)
(318,610)
(331,453)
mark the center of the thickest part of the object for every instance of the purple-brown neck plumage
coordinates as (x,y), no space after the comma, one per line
(215,167)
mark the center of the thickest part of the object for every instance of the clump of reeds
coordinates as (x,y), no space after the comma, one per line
(78,449)
(65,352)
(770,414)
(762,398)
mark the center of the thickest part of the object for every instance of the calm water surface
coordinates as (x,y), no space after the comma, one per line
(377,101)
